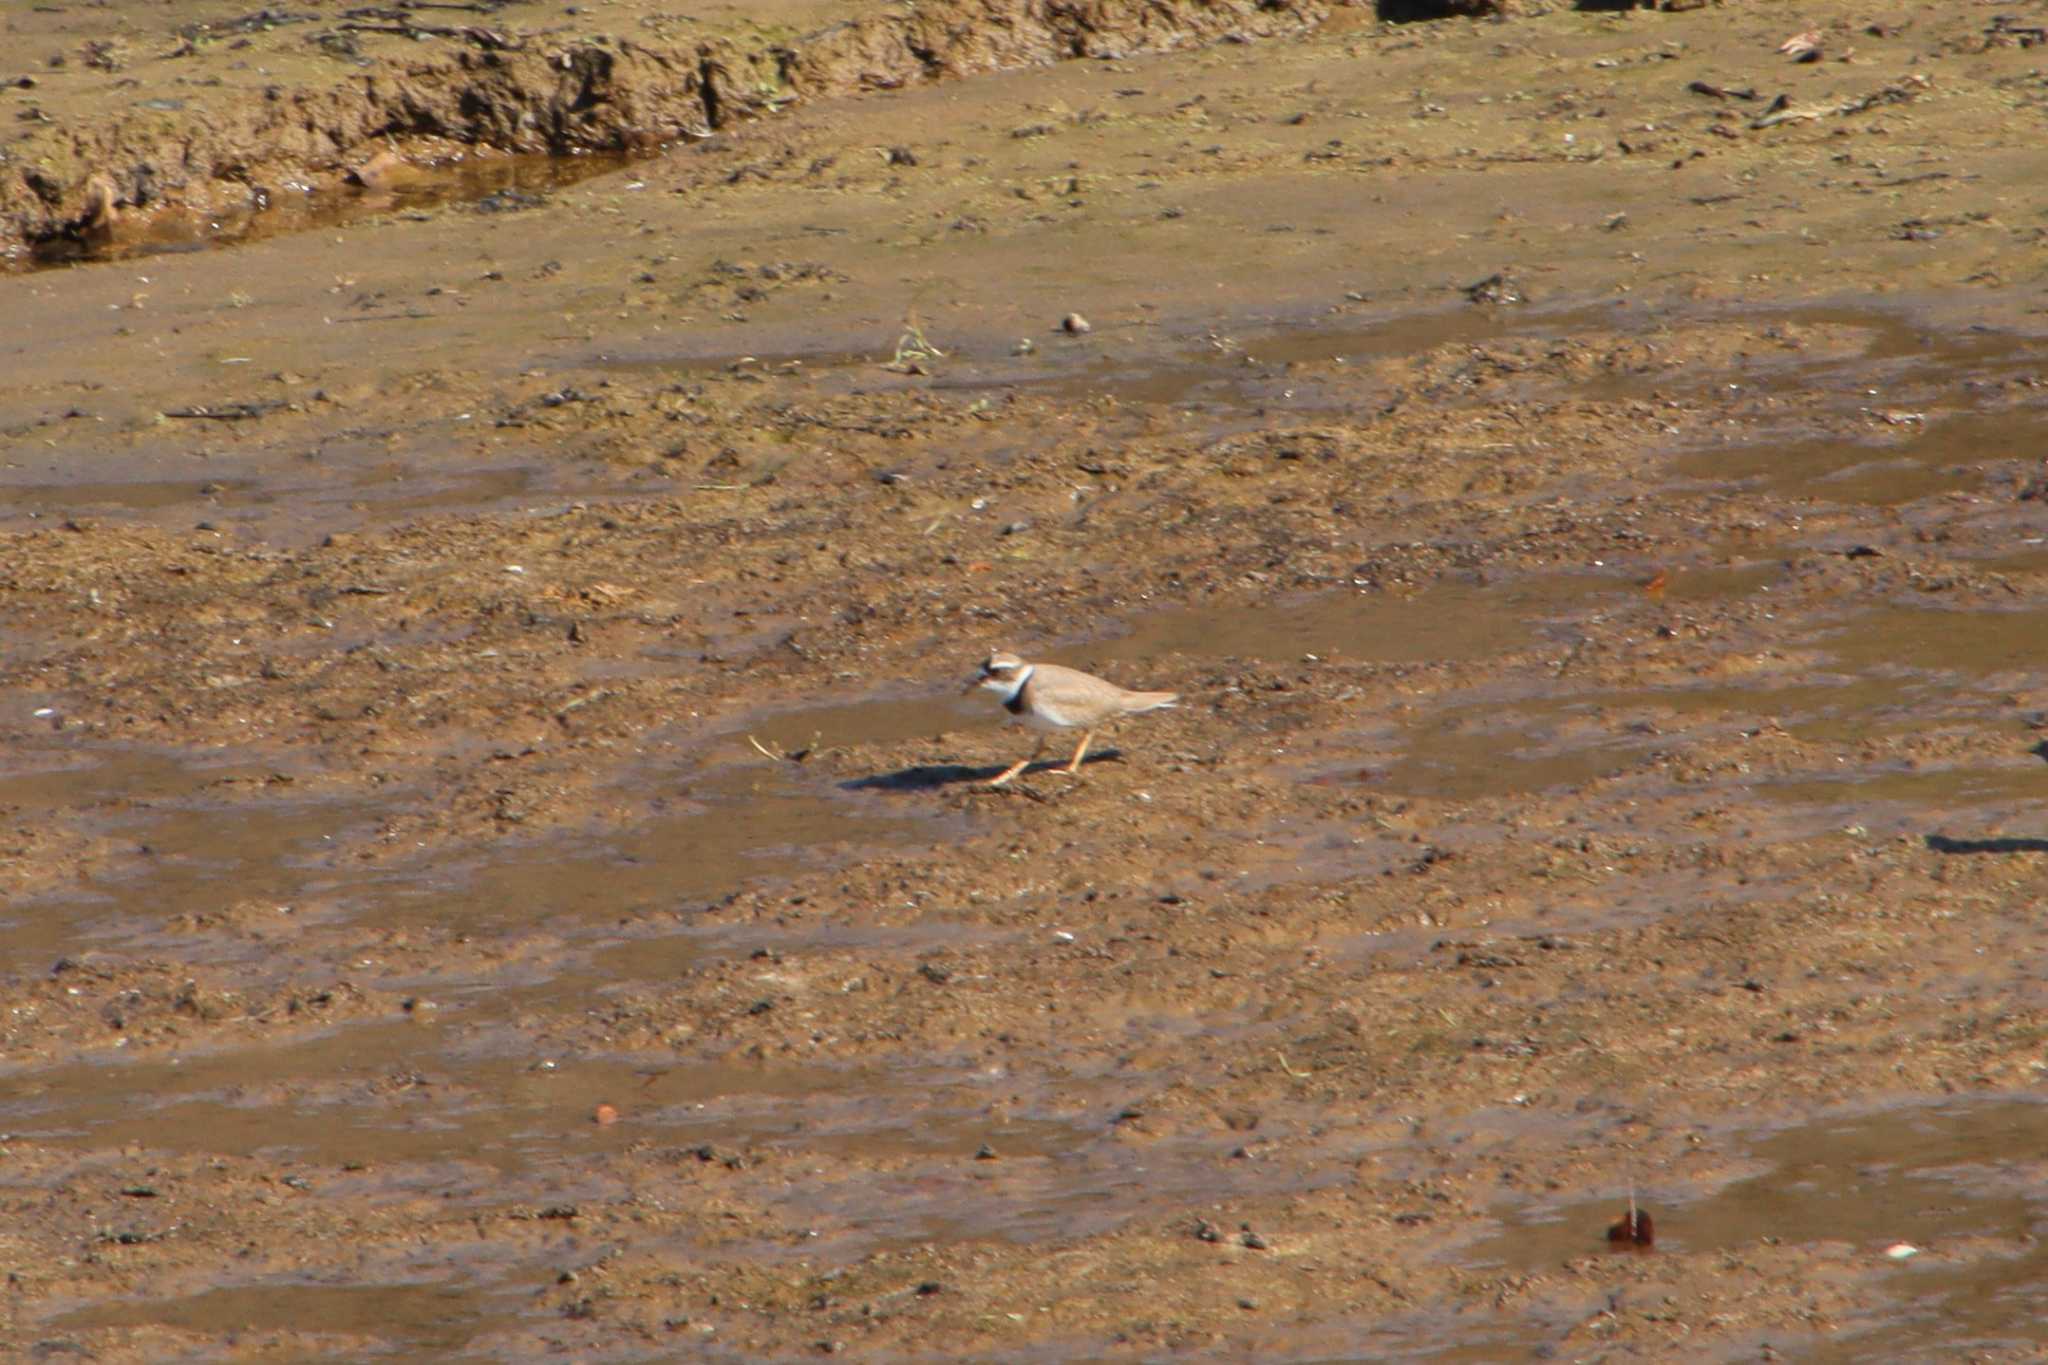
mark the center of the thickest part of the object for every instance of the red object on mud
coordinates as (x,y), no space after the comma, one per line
(1633,1228)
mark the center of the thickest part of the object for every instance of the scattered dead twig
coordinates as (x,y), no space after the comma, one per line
(413,316)
(1721,92)
(1010,789)
(225,412)
(803,755)
(487,38)
(2012,27)
(912,350)
(1781,110)
(1899,92)
(1298,1075)
(585,700)
(399,8)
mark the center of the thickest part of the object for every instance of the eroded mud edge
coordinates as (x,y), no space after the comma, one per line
(560,93)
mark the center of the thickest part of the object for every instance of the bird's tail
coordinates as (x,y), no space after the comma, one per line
(1150,701)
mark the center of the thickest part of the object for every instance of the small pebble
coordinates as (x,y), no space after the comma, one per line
(1902,1251)
(1073,324)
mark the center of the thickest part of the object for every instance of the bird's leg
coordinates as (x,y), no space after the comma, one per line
(1019,766)
(1080,752)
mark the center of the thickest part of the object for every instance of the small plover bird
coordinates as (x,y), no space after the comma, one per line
(1049,697)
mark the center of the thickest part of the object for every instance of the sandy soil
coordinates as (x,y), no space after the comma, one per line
(493,856)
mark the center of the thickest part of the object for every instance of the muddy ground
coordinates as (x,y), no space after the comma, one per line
(492,851)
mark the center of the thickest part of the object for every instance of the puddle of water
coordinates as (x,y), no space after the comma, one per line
(1945,453)
(1246,377)
(40,782)
(1455,621)
(194,854)
(1721,583)
(1448,623)
(1085,1190)
(1983,645)
(432,1318)
(407,1093)
(286,504)
(1524,745)
(1231,381)
(1891,668)
(1927,1176)
(1298,366)
(1914,1174)
(1931,790)
(178,838)
(744,824)
(32,500)
(886,720)
(185,859)
(1469,757)
(1939,382)
(1904,360)
(379,490)
(2031,556)
(514,182)
(1476,1336)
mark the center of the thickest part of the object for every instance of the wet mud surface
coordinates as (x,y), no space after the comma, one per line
(493,861)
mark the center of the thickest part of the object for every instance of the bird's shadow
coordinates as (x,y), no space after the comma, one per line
(1942,843)
(925,777)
